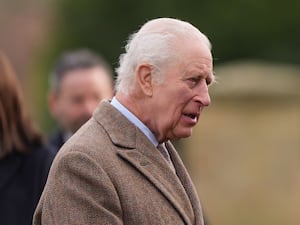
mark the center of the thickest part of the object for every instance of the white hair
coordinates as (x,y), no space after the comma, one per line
(156,43)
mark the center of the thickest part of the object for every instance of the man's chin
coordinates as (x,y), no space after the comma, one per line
(184,134)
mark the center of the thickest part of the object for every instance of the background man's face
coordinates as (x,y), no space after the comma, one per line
(80,92)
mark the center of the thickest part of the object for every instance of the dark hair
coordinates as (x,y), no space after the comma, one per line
(17,130)
(74,60)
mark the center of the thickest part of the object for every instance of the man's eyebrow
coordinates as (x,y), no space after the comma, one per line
(213,78)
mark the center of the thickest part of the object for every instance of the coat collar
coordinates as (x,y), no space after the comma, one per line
(115,123)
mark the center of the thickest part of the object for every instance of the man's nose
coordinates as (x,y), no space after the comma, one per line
(202,95)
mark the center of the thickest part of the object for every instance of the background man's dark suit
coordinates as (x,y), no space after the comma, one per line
(56,141)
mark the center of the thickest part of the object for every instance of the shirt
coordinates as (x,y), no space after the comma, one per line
(132,118)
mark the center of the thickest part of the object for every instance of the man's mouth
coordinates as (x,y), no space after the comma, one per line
(192,116)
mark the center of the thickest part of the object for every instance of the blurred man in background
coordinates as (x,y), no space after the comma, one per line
(80,79)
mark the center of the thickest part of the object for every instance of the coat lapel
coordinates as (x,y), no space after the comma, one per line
(187,183)
(163,178)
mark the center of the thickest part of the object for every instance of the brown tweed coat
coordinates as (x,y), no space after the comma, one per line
(109,173)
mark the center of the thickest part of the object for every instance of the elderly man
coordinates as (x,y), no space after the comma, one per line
(120,167)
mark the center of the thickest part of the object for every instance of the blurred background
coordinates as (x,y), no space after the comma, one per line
(244,156)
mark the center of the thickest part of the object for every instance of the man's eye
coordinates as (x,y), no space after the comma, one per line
(208,82)
(193,81)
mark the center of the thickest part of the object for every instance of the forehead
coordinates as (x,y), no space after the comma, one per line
(195,57)
(87,77)
(85,74)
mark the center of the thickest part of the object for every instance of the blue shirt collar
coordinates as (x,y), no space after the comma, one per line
(132,118)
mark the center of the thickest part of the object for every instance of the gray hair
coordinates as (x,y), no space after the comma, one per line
(75,60)
(155,43)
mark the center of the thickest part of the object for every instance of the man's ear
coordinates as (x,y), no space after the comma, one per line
(144,78)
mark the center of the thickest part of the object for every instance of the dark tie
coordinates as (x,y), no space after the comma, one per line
(163,150)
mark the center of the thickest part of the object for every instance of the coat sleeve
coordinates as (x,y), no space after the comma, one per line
(78,191)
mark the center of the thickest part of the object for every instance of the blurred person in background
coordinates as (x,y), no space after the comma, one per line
(120,167)
(24,161)
(79,81)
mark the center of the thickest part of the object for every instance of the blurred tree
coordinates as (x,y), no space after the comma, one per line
(263,29)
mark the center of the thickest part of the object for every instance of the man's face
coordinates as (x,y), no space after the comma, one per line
(179,101)
(80,92)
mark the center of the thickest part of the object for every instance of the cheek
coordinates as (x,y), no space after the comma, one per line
(172,116)
(175,103)
(175,95)
(180,101)
(68,111)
